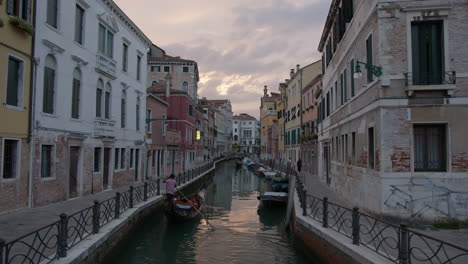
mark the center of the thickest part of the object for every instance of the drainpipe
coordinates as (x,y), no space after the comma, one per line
(32,106)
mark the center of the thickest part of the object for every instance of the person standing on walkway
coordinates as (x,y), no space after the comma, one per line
(171,184)
(299,165)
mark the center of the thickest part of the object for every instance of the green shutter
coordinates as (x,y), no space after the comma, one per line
(370,75)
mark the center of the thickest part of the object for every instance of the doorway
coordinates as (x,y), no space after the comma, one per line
(73,181)
(105,173)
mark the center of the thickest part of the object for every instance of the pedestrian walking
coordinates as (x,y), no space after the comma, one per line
(299,165)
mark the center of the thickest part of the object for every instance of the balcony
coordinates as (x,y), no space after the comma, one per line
(430,82)
(106,65)
(104,128)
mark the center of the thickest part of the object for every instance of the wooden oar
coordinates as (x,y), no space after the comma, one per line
(206,219)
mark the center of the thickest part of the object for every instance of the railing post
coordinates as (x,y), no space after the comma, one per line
(62,236)
(130,202)
(159,186)
(145,192)
(325,212)
(304,203)
(2,249)
(96,217)
(117,205)
(404,249)
(356,225)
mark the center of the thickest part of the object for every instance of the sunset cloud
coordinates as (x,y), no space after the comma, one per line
(240,45)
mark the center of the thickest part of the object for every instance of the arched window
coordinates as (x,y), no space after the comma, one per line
(49,84)
(123,109)
(99,88)
(138,114)
(185,87)
(107,101)
(75,105)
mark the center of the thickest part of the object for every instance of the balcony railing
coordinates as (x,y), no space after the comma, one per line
(449,77)
(106,64)
(104,128)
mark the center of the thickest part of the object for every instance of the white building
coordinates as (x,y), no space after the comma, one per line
(246,133)
(89,100)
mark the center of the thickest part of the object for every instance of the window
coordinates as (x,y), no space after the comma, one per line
(124,57)
(427,41)
(164,125)
(49,85)
(185,86)
(14,91)
(353,148)
(185,69)
(190,110)
(153,159)
(328,104)
(167,68)
(148,117)
(97,159)
(348,10)
(248,133)
(117,159)
(122,158)
(75,105)
(371,147)
(137,112)
(99,89)
(52,13)
(131,158)
(343,149)
(345,86)
(156,68)
(105,41)
(346,149)
(10,158)
(107,101)
(19,8)
(123,109)
(46,161)
(351,77)
(429,148)
(342,93)
(370,61)
(79,24)
(138,67)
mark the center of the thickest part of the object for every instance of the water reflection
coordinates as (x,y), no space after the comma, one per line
(245,232)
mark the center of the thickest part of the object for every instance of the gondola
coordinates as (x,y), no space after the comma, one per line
(182,210)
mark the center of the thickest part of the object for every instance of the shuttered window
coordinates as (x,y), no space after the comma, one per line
(52,13)
(105,41)
(429,148)
(79,20)
(10,158)
(75,105)
(99,89)
(370,60)
(14,82)
(49,85)
(46,161)
(19,8)
(107,101)
(427,40)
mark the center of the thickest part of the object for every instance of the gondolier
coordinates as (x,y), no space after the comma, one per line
(171,184)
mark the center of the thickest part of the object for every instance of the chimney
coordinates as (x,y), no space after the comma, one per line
(292,73)
(168,89)
(265,91)
(298,67)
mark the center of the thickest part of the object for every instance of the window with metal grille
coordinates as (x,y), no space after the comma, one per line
(429,147)
(46,161)
(10,158)
(117,159)
(97,159)
(122,158)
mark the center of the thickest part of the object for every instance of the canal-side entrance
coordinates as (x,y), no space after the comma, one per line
(244,231)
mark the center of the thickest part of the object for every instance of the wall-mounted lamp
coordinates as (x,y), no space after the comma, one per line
(376,70)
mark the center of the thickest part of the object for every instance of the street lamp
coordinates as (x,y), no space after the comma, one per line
(376,70)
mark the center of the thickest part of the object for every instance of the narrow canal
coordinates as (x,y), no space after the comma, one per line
(244,231)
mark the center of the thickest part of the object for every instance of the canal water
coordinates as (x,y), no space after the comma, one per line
(244,231)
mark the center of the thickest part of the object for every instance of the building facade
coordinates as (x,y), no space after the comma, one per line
(246,131)
(268,116)
(223,137)
(394,92)
(89,100)
(16,71)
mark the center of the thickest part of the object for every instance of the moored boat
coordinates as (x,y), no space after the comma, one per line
(271,199)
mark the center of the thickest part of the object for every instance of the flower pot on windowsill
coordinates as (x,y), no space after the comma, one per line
(22,24)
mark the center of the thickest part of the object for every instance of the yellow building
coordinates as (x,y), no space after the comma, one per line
(268,116)
(16,30)
(280,106)
(293,107)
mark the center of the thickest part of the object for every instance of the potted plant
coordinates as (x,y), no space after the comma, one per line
(22,24)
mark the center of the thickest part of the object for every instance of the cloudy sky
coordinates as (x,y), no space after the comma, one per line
(240,45)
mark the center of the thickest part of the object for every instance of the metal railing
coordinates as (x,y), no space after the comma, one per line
(52,242)
(397,243)
(449,77)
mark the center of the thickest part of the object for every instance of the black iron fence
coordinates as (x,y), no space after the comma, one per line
(52,242)
(397,243)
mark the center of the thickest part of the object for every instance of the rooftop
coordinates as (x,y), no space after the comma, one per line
(244,116)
